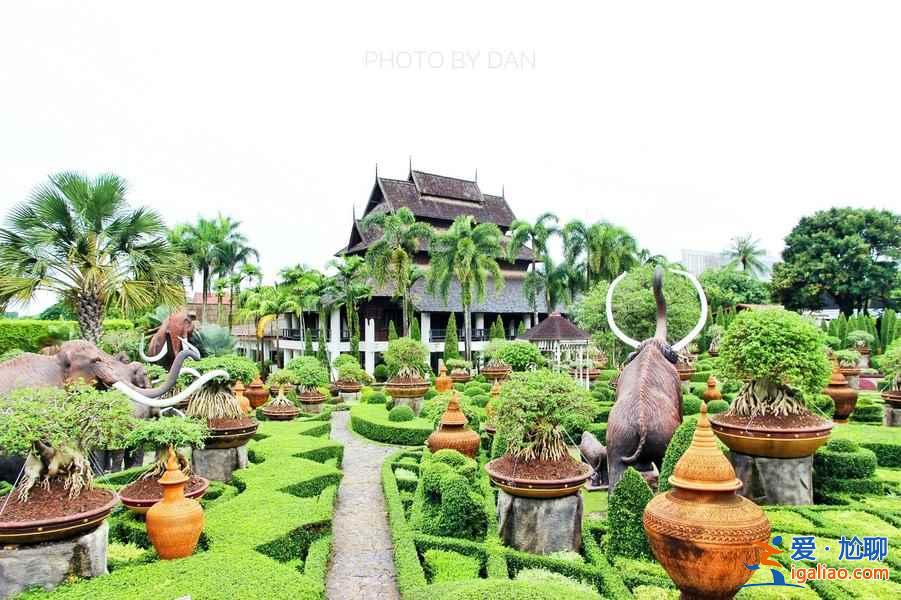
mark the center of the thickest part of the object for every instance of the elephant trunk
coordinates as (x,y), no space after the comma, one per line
(660,333)
(173,374)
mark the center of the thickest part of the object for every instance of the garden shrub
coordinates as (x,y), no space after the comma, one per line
(473,388)
(445,565)
(717,406)
(823,405)
(376,398)
(481,400)
(624,517)
(430,393)
(449,500)
(636,573)
(653,592)
(237,367)
(521,355)
(401,413)
(842,466)
(381,372)
(371,421)
(545,576)
(691,404)
(503,589)
(433,409)
(867,411)
(679,443)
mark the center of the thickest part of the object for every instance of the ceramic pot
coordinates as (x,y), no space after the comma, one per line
(57,528)
(844,396)
(453,432)
(460,376)
(892,398)
(280,413)
(174,524)
(348,386)
(142,505)
(312,396)
(850,371)
(757,438)
(243,401)
(537,488)
(496,373)
(711,393)
(685,372)
(232,436)
(256,393)
(443,383)
(701,531)
(593,373)
(404,388)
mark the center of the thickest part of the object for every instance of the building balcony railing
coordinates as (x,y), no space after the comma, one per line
(439,335)
(297,334)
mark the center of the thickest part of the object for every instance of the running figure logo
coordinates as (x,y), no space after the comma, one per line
(766,551)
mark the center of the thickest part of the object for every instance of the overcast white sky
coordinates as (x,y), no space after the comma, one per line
(687,122)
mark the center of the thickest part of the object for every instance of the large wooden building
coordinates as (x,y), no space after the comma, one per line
(437,200)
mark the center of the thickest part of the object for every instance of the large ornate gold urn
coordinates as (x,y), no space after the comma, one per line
(701,531)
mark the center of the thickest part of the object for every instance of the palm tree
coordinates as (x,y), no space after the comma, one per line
(552,280)
(246,272)
(467,253)
(77,237)
(390,257)
(524,234)
(746,252)
(220,285)
(351,280)
(206,244)
(234,254)
(264,305)
(609,249)
(646,258)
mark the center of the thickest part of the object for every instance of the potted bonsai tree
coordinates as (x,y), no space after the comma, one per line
(310,375)
(584,368)
(685,365)
(715,333)
(861,341)
(496,368)
(351,376)
(160,435)
(282,380)
(848,362)
(532,411)
(216,405)
(779,356)
(280,408)
(54,430)
(406,360)
(459,369)
(891,368)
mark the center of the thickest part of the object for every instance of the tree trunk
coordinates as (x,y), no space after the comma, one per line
(406,317)
(467,332)
(205,276)
(231,307)
(535,308)
(89,311)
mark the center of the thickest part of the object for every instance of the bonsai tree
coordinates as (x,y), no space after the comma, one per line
(237,367)
(54,429)
(715,333)
(779,355)
(493,354)
(308,373)
(283,377)
(532,412)
(847,359)
(406,359)
(349,369)
(520,355)
(458,365)
(860,340)
(213,401)
(168,433)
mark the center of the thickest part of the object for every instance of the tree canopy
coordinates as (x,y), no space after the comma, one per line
(851,254)
(728,286)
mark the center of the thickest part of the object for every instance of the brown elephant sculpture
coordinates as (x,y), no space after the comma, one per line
(648,406)
(166,342)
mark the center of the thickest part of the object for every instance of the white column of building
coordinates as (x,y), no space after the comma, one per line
(425,327)
(528,321)
(334,334)
(369,346)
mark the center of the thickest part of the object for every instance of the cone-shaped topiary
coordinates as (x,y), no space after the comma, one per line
(624,517)
(451,341)
(679,443)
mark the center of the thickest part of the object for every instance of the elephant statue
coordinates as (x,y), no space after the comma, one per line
(595,454)
(166,342)
(648,406)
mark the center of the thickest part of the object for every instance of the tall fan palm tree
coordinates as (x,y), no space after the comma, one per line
(466,253)
(391,257)
(246,272)
(263,305)
(207,243)
(233,254)
(608,249)
(552,280)
(302,281)
(535,235)
(77,237)
(350,279)
(746,252)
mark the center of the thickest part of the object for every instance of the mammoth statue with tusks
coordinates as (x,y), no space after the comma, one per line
(648,406)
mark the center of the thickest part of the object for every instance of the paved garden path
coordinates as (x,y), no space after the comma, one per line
(362,565)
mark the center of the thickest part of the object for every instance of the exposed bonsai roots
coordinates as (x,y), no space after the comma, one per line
(45,463)
(760,397)
(280,401)
(214,402)
(157,469)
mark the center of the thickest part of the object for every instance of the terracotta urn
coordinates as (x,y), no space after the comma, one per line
(685,371)
(844,396)
(406,387)
(443,383)
(256,393)
(243,401)
(348,386)
(711,393)
(460,376)
(453,432)
(701,531)
(310,396)
(174,524)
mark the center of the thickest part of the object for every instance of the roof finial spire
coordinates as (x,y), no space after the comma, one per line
(376,170)
(502,191)
(410,165)
(477,175)
(354,208)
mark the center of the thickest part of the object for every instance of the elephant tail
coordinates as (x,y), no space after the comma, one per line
(642,438)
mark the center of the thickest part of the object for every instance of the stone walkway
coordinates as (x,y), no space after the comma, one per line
(362,565)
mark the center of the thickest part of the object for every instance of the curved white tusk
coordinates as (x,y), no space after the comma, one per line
(186,345)
(616,330)
(167,402)
(702,321)
(190,371)
(151,359)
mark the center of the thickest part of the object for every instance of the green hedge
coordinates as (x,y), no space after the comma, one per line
(885,442)
(844,459)
(443,565)
(270,541)
(371,421)
(26,334)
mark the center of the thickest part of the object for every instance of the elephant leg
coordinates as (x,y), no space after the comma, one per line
(603,471)
(615,469)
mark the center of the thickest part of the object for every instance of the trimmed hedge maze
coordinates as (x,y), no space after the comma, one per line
(267,533)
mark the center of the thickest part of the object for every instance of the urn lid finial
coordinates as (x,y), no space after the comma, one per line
(173,474)
(453,416)
(704,467)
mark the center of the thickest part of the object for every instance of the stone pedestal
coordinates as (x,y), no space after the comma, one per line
(349,397)
(892,416)
(774,480)
(540,525)
(854,382)
(414,403)
(312,408)
(219,463)
(48,565)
